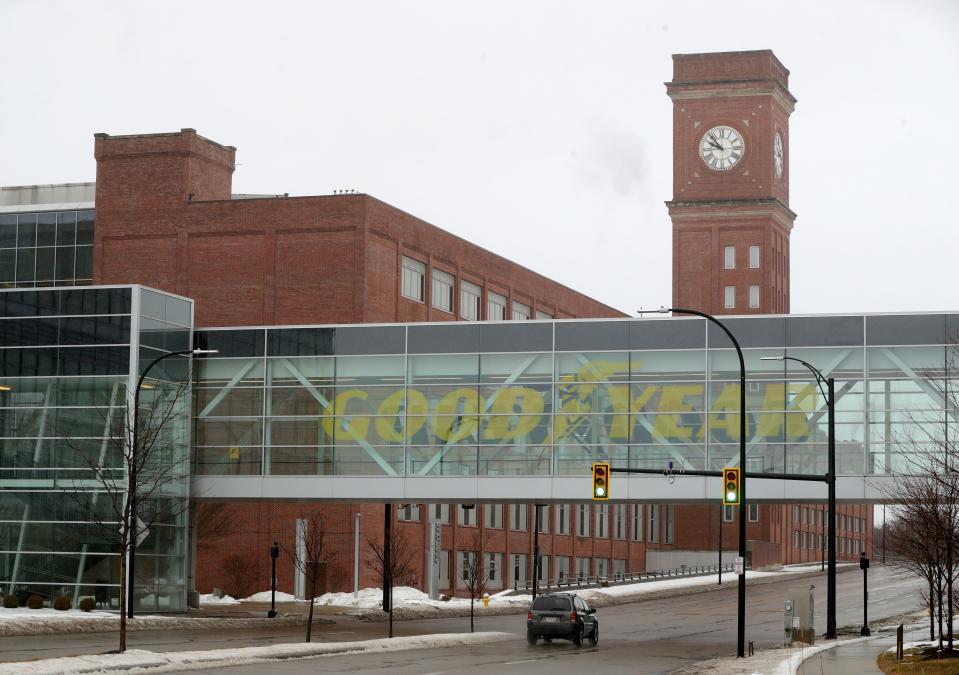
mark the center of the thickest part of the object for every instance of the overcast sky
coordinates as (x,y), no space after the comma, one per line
(539,130)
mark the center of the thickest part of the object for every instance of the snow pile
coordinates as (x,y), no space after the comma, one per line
(19,614)
(264,596)
(166,662)
(210,599)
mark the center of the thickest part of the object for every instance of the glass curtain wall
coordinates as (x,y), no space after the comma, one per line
(65,385)
(52,248)
(552,398)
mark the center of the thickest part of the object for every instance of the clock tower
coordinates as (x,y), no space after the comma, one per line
(730,206)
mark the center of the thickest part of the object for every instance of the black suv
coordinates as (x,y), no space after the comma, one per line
(561,615)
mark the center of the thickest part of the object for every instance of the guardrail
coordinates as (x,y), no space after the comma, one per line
(577,581)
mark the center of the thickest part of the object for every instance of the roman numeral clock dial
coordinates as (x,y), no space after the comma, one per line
(721,148)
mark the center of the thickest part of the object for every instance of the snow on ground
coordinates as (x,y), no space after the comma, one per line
(210,599)
(264,596)
(19,614)
(138,661)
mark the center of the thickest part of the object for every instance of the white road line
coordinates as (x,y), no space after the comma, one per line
(513,663)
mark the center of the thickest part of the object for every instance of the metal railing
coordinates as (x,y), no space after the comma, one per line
(586,581)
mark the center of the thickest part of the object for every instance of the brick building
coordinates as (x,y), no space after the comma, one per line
(165,217)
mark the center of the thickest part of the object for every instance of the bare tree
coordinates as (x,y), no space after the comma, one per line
(308,553)
(475,576)
(394,561)
(134,479)
(926,496)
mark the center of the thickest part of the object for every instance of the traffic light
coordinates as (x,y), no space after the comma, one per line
(731,486)
(601,480)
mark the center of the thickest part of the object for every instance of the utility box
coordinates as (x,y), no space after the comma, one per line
(798,615)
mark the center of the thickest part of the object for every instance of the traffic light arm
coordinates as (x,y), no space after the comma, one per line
(813,477)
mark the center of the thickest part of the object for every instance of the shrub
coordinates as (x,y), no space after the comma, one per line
(11,601)
(62,603)
(87,604)
(35,601)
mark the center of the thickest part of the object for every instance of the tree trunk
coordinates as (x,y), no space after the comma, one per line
(932,614)
(391,613)
(309,620)
(123,600)
(939,596)
(472,629)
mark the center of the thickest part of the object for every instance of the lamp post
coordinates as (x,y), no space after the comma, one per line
(741,609)
(864,566)
(830,394)
(274,554)
(132,480)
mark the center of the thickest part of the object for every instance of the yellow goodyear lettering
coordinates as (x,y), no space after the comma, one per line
(454,418)
(356,428)
(673,400)
(506,421)
(389,423)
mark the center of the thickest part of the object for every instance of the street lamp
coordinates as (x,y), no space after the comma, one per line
(830,395)
(133,465)
(741,610)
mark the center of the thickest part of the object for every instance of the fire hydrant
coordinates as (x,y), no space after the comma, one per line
(485,599)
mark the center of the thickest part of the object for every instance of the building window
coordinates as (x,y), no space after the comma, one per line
(753,512)
(582,569)
(519,570)
(471,296)
(520,311)
(729,258)
(602,520)
(795,538)
(542,575)
(619,521)
(444,569)
(753,296)
(582,520)
(493,515)
(443,284)
(562,567)
(494,569)
(495,306)
(466,561)
(754,257)
(804,540)
(467,515)
(602,568)
(543,517)
(517,517)
(637,522)
(670,537)
(562,519)
(540,314)
(440,513)
(728,514)
(414,280)
(805,515)
(619,568)
(729,297)
(654,523)
(408,512)
(795,514)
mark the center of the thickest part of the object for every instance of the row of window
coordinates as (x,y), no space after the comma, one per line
(809,516)
(517,571)
(729,296)
(639,522)
(443,295)
(816,541)
(729,257)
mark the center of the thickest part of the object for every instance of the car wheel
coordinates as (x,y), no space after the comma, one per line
(530,638)
(578,636)
(594,636)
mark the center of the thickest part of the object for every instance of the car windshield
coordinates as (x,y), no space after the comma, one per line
(548,603)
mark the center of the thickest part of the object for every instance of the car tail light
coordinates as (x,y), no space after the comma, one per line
(572,617)
(529,616)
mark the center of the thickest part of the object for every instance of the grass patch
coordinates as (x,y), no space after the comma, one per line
(920,660)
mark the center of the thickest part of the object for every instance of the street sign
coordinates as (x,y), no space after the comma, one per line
(739,565)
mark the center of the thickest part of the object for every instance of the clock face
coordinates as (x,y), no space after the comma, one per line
(778,154)
(721,148)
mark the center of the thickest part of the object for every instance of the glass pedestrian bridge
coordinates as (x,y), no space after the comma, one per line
(520,410)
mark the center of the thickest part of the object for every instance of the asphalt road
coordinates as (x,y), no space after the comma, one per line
(651,636)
